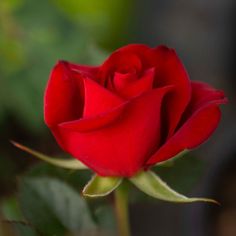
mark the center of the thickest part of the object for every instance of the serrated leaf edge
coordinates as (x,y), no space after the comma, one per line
(183,199)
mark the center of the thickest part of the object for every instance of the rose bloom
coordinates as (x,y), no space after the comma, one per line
(137,109)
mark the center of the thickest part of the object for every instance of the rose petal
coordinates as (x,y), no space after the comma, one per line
(170,71)
(146,54)
(200,120)
(121,148)
(86,71)
(97,99)
(139,86)
(123,62)
(203,94)
(193,133)
(63,100)
(120,81)
(95,122)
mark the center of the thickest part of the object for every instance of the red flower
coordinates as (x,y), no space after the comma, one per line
(137,109)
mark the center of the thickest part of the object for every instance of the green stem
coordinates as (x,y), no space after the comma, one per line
(122,212)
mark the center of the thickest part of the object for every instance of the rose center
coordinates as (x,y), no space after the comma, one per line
(121,80)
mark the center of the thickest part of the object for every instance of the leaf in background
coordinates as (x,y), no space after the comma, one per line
(105,21)
(101,186)
(11,210)
(14,218)
(75,179)
(52,206)
(106,219)
(151,184)
(23,228)
(69,163)
(29,49)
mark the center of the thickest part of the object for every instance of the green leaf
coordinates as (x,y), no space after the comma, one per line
(76,179)
(52,206)
(151,184)
(23,228)
(11,210)
(69,164)
(101,186)
(106,218)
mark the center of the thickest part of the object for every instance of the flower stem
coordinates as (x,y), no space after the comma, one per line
(122,212)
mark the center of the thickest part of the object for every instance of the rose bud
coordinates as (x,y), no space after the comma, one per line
(137,109)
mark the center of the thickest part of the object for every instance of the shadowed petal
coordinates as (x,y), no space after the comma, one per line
(170,71)
(199,121)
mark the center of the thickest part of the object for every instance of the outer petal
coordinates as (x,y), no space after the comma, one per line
(145,53)
(120,149)
(170,71)
(203,94)
(199,121)
(87,71)
(95,122)
(63,100)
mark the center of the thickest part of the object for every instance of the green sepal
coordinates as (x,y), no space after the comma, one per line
(101,186)
(151,184)
(170,162)
(65,163)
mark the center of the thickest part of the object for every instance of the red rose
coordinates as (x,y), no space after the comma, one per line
(137,109)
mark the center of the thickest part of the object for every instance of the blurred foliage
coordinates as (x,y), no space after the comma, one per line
(11,210)
(49,202)
(23,229)
(77,179)
(107,21)
(35,34)
(51,206)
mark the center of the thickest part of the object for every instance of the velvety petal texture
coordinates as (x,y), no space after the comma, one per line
(120,147)
(137,109)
